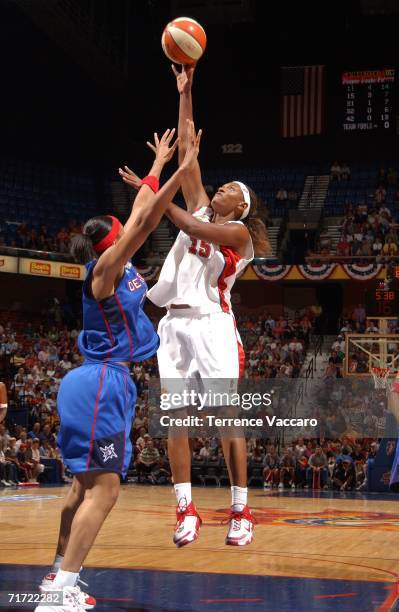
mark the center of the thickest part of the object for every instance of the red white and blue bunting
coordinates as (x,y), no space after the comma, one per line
(316,271)
(272,272)
(362,271)
(278,272)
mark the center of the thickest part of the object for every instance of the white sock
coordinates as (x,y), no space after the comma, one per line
(239,496)
(58,559)
(183,495)
(64,579)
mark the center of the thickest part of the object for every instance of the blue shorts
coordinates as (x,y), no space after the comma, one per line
(96,405)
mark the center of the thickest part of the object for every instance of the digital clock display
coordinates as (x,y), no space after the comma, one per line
(368,99)
(382,302)
(385,296)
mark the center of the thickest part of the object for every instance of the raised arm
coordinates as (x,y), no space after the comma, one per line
(194,193)
(164,150)
(145,217)
(234,235)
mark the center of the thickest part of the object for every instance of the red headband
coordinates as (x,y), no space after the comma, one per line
(109,239)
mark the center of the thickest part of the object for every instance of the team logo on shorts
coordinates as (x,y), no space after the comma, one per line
(108,452)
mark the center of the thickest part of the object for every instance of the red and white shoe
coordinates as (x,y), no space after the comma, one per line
(188,524)
(241,527)
(85,600)
(70,595)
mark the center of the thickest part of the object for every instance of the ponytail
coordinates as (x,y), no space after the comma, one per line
(260,240)
(82,248)
(94,230)
(257,228)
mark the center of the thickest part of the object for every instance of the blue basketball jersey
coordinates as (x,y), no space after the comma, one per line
(116,328)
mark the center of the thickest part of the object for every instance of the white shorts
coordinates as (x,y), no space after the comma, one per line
(194,346)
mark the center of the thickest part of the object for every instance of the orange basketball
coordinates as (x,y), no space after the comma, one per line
(184,41)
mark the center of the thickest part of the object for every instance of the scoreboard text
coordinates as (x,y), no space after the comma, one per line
(368,99)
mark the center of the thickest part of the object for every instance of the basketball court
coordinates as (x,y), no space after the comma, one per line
(318,551)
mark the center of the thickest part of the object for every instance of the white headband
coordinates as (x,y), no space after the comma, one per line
(247,199)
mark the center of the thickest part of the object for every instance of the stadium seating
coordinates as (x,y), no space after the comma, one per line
(39,194)
(359,189)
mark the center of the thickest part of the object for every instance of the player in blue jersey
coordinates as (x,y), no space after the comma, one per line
(96,401)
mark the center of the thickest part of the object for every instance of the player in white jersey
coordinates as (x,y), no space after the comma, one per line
(198,336)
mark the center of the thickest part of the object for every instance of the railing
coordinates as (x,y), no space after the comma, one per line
(309,371)
(300,392)
(351,258)
(318,348)
(34,254)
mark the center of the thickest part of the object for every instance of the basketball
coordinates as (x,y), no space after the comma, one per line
(184,41)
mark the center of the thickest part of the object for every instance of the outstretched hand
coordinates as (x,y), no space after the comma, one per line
(184,79)
(192,147)
(163,148)
(130,178)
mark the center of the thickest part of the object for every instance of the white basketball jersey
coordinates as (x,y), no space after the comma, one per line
(198,273)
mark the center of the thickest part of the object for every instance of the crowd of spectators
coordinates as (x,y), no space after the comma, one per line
(41,239)
(275,346)
(335,464)
(369,229)
(38,357)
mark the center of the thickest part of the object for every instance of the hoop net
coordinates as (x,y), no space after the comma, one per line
(381,377)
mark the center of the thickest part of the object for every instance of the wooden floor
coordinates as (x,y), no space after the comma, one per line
(316,537)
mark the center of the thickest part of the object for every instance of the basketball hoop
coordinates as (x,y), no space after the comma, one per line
(381,377)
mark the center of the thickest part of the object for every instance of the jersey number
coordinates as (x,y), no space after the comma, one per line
(200,247)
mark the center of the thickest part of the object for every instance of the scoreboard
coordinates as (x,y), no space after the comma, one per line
(382,302)
(368,96)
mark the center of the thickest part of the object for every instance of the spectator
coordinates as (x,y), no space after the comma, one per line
(11,456)
(359,314)
(38,467)
(4,436)
(161,473)
(344,475)
(343,246)
(300,447)
(389,249)
(271,465)
(339,345)
(317,465)
(281,195)
(335,172)
(380,194)
(345,172)
(287,469)
(377,246)
(206,451)
(147,460)
(8,470)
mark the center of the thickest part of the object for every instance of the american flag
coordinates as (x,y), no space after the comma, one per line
(302,101)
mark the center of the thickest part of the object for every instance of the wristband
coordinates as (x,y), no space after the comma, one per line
(3,405)
(152,182)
